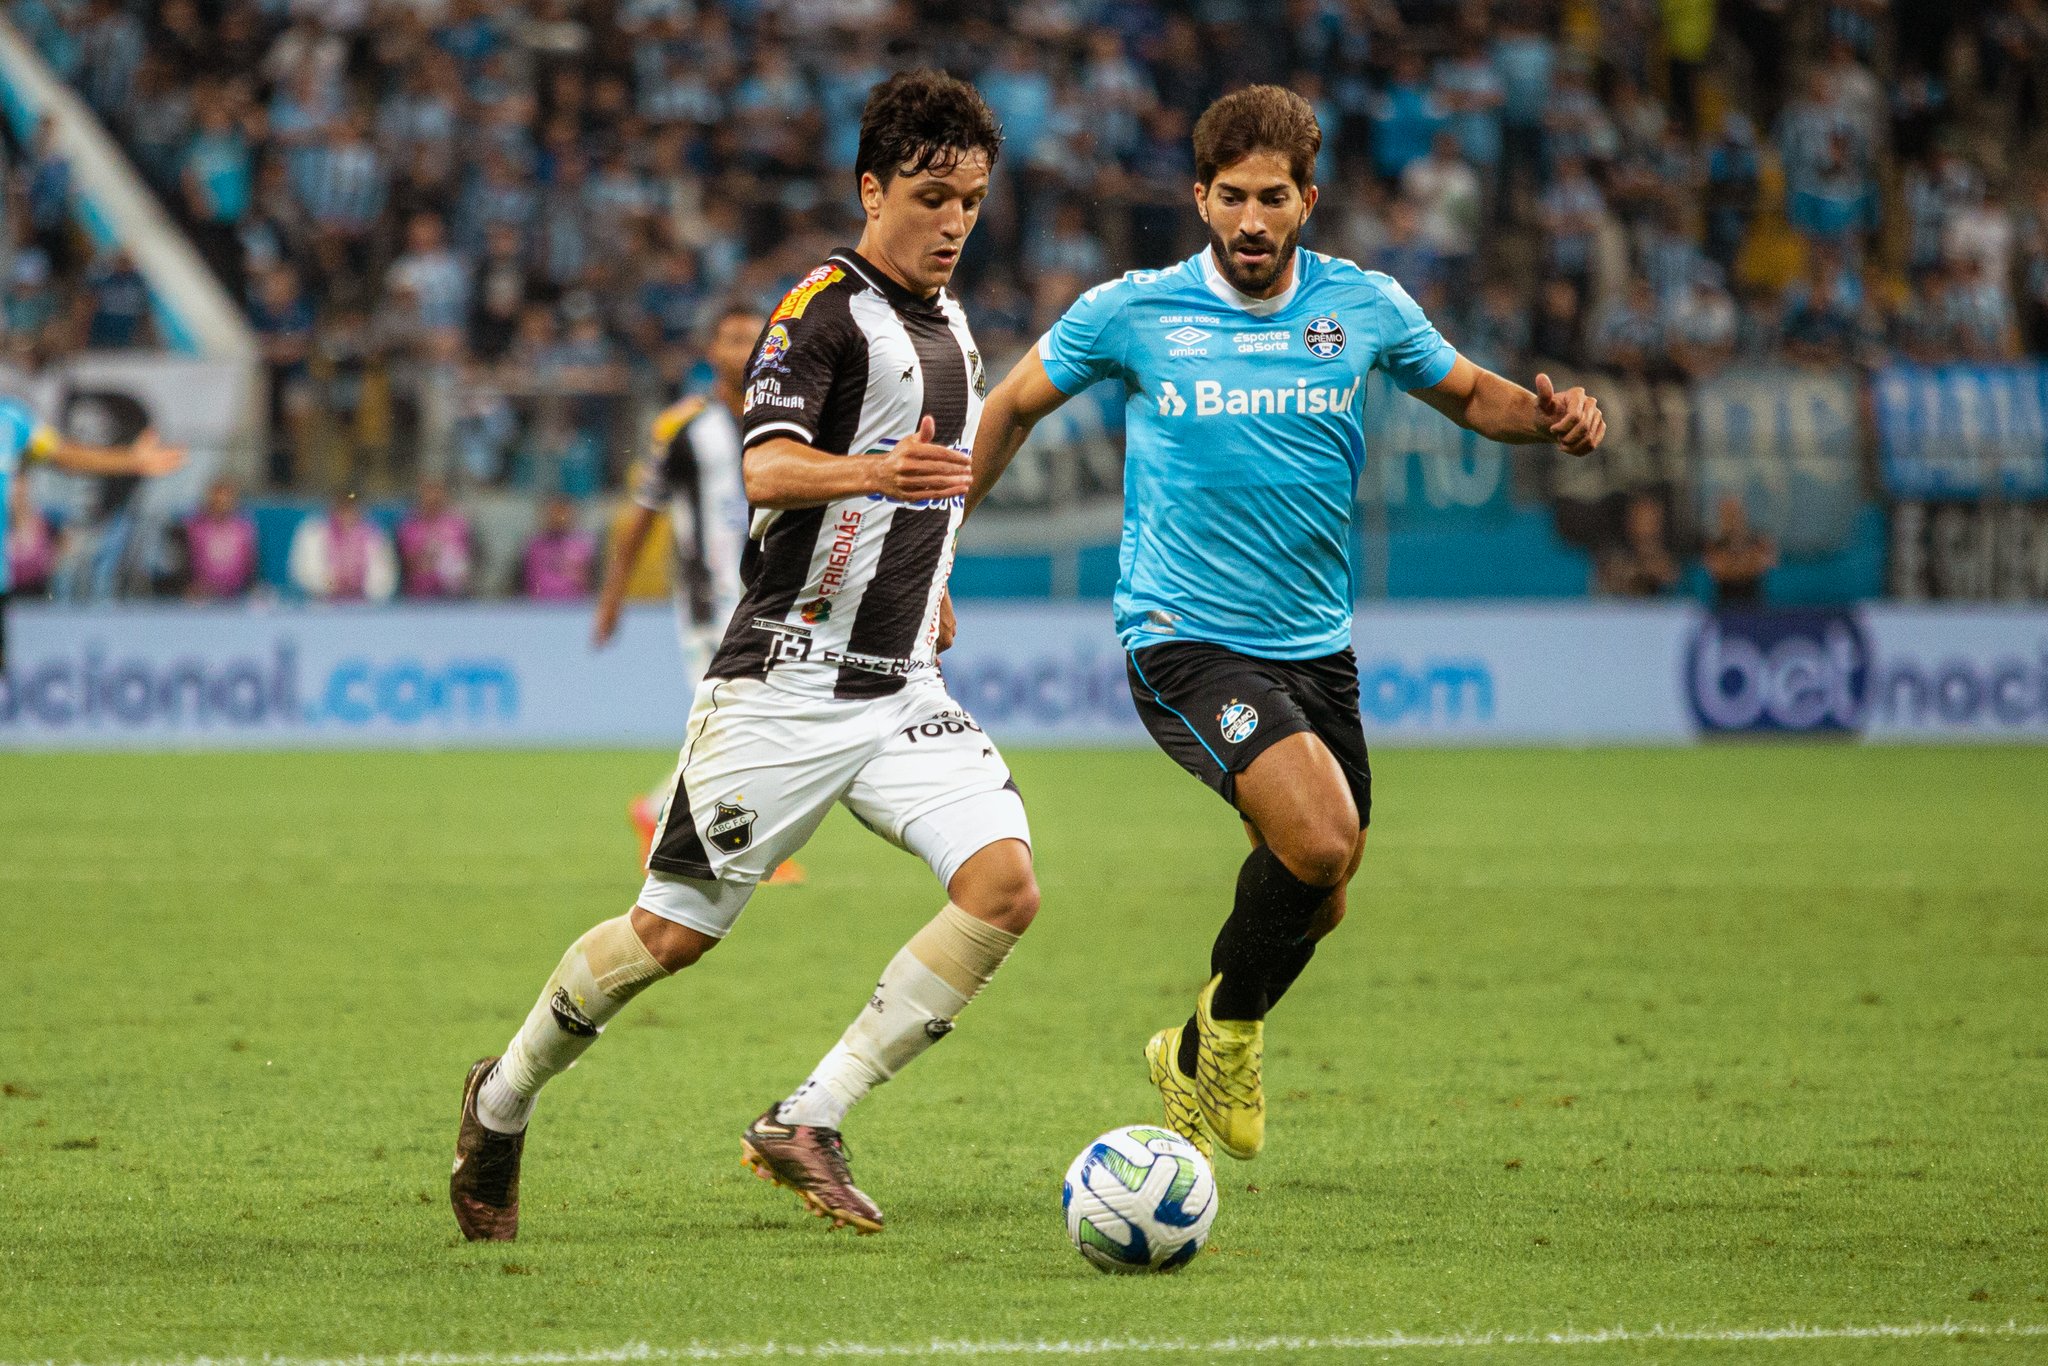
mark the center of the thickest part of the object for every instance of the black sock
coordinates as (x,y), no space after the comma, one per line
(1265,931)
(1284,969)
(1280,976)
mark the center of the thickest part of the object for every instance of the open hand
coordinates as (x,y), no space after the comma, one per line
(916,470)
(1572,418)
(153,457)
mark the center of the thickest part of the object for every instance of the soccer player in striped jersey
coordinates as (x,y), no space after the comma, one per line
(1244,369)
(862,394)
(691,473)
(23,437)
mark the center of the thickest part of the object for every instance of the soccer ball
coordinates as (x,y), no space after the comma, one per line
(1139,1198)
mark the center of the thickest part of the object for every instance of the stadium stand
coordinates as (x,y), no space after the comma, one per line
(477,240)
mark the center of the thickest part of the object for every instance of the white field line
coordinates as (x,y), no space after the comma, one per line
(941,1347)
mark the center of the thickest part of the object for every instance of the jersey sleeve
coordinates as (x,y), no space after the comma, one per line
(1413,353)
(1087,343)
(650,484)
(668,448)
(810,338)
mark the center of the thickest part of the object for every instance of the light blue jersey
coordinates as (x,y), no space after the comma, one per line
(1244,440)
(21,436)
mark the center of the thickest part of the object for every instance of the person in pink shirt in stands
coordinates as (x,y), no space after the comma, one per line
(436,551)
(343,557)
(220,542)
(30,545)
(559,558)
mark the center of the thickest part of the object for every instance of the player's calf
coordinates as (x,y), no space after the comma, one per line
(922,991)
(601,972)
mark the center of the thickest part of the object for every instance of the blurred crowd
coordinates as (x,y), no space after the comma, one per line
(534,204)
(425,548)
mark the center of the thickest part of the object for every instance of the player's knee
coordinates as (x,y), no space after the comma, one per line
(1319,855)
(1010,905)
(998,887)
(673,946)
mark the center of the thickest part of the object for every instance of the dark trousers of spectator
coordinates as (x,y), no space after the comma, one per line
(60,244)
(1521,168)
(1685,94)
(220,246)
(1766,37)
(2037,326)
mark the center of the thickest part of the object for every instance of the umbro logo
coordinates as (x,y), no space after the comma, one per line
(1187,336)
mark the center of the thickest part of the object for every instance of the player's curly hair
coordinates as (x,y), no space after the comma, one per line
(1258,118)
(920,121)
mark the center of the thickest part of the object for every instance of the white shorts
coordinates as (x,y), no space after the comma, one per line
(763,762)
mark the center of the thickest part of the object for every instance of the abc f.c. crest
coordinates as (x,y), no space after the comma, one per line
(731,828)
(1323,337)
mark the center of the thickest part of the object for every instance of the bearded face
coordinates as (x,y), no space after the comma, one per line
(1254,211)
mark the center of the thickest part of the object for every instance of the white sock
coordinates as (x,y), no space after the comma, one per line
(602,971)
(929,982)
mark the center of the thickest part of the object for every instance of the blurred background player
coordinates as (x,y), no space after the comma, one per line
(24,438)
(1245,367)
(862,394)
(691,472)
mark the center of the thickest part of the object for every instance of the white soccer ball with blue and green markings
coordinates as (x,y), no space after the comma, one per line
(1139,1198)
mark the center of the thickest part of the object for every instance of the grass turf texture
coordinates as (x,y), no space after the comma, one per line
(1735,1037)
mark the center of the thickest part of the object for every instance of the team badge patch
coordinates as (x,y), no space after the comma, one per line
(1237,721)
(774,347)
(1324,338)
(731,828)
(815,611)
(572,1020)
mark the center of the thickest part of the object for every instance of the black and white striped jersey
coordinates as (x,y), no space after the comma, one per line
(845,597)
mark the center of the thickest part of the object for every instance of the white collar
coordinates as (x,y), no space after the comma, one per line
(1230,294)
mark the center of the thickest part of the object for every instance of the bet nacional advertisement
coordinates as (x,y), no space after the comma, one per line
(1033,674)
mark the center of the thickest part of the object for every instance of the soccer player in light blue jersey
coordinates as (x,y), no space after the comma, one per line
(1244,369)
(23,438)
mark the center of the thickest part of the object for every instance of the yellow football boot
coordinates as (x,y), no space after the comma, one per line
(1183,1116)
(1228,1091)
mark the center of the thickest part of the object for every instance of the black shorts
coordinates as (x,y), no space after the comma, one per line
(1214,710)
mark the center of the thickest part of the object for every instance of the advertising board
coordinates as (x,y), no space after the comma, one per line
(1032,673)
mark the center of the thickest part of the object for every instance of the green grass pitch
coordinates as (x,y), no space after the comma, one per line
(1718,1040)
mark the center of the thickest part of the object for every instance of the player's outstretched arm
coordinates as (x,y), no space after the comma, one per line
(784,473)
(146,456)
(1502,410)
(618,569)
(1024,397)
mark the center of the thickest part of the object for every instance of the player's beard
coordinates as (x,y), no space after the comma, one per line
(1258,281)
